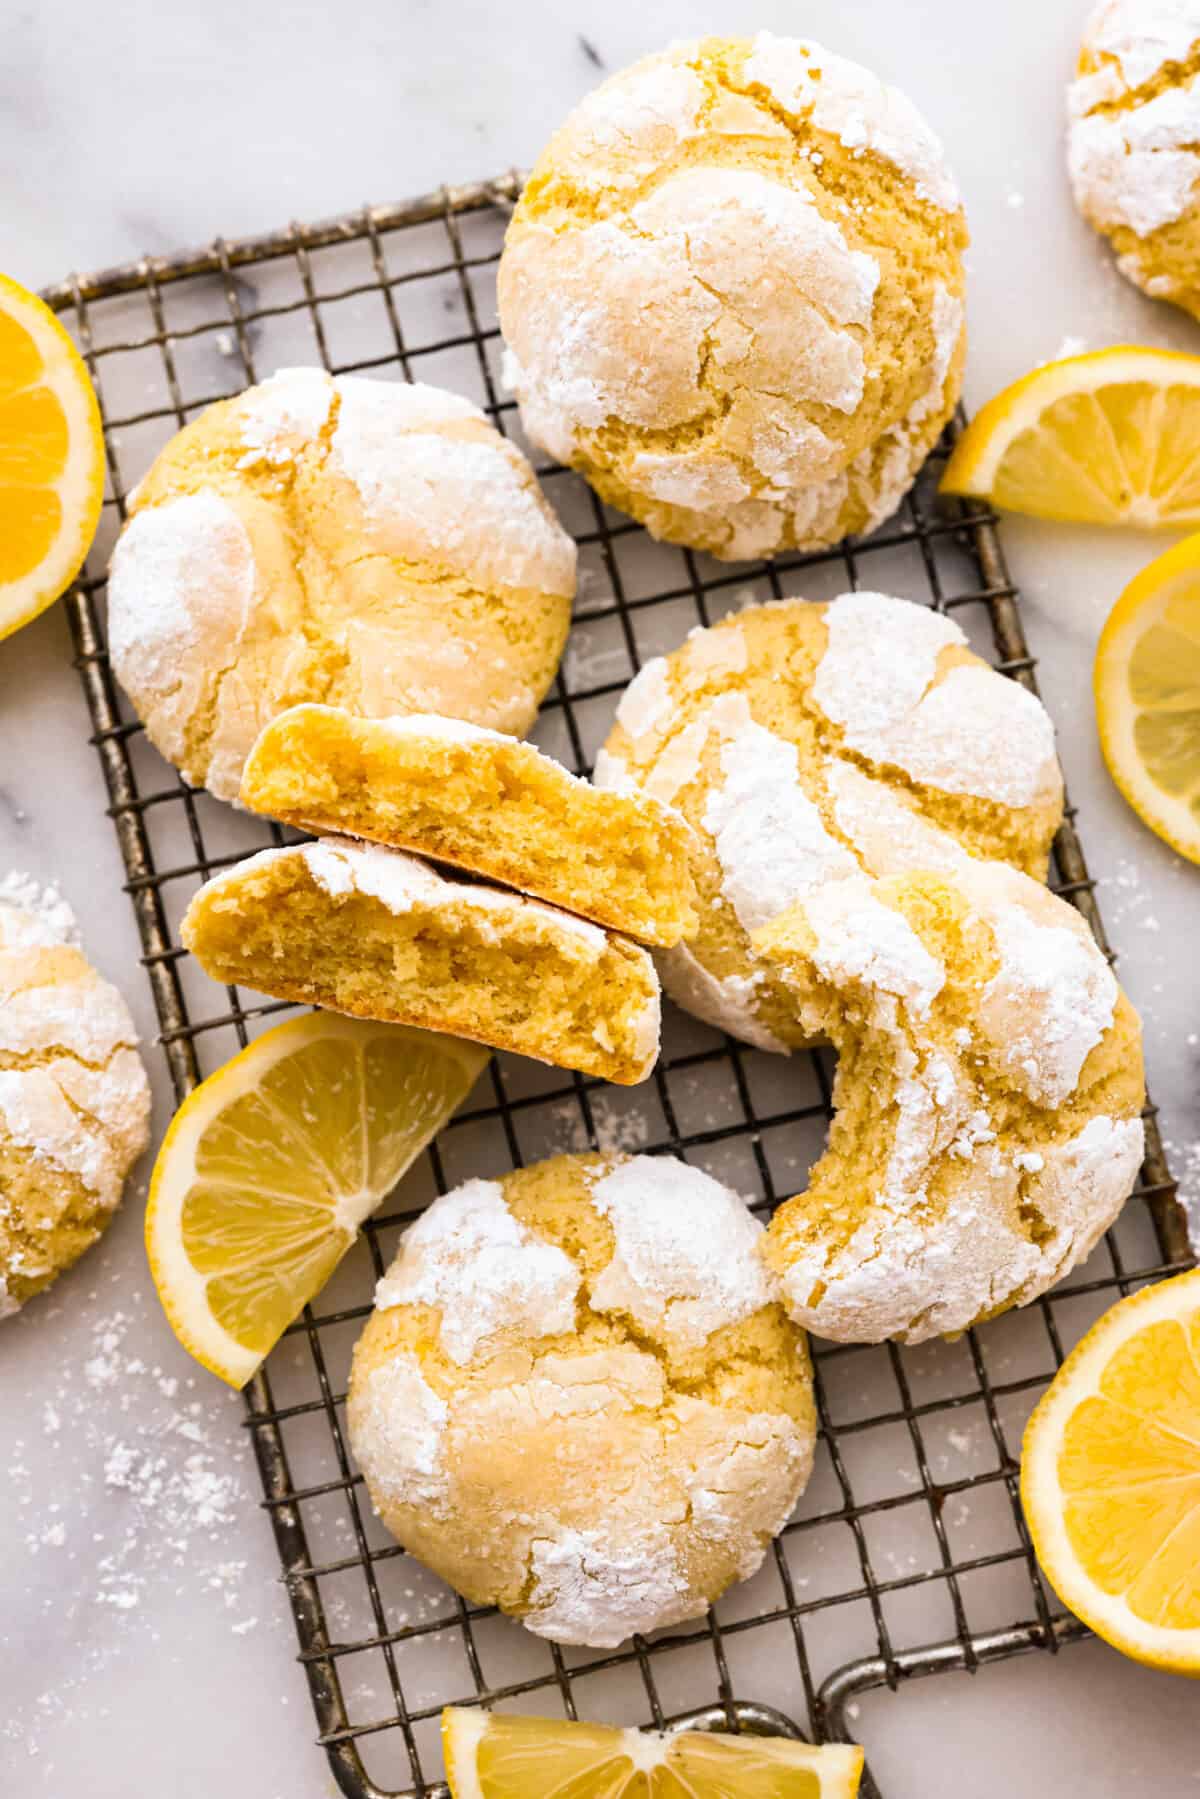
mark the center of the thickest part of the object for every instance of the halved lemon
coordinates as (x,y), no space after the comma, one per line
(271,1165)
(1147,687)
(1110,438)
(490,1756)
(1110,1477)
(51,458)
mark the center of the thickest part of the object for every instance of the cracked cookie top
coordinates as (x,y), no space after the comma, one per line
(579,1398)
(807,742)
(732,294)
(986,1126)
(375,545)
(1133,130)
(74,1100)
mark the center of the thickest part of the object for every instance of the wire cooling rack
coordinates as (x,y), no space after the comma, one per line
(908,1553)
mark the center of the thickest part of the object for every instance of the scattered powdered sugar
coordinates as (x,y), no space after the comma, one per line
(78,1097)
(727,1002)
(646,703)
(470,1257)
(283,414)
(718,216)
(468,503)
(133,1502)
(843,98)
(629,125)
(592,1590)
(769,838)
(180,596)
(1142,35)
(881,656)
(398,1424)
(947,317)
(1078,1191)
(887,834)
(33,916)
(858,938)
(1051,1001)
(685,1258)
(973,732)
(1137,167)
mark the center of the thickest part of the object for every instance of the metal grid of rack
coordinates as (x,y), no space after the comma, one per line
(908,1553)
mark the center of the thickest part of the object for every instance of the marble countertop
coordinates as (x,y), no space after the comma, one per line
(146,1645)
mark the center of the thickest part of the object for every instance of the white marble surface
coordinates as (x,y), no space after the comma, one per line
(145,1645)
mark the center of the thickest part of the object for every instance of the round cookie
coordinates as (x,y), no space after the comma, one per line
(732,294)
(1133,131)
(369,544)
(986,1124)
(778,734)
(74,1099)
(578,1397)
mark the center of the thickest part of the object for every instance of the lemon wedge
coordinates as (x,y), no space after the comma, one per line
(51,458)
(1147,687)
(1110,1477)
(489,1756)
(271,1165)
(1110,438)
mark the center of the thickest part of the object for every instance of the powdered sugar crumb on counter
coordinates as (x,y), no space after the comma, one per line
(133,1502)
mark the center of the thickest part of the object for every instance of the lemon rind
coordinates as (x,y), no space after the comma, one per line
(182,1290)
(1174,1651)
(1147,595)
(80,488)
(976,457)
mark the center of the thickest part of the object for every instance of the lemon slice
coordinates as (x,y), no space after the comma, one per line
(1110,1477)
(489,1756)
(1147,686)
(271,1165)
(51,458)
(1110,438)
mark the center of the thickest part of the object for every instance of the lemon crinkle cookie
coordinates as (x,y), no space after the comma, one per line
(986,1122)
(380,934)
(732,294)
(483,802)
(74,1099)
(1134,141)
(578,1397)
(373,544)
(775,730)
